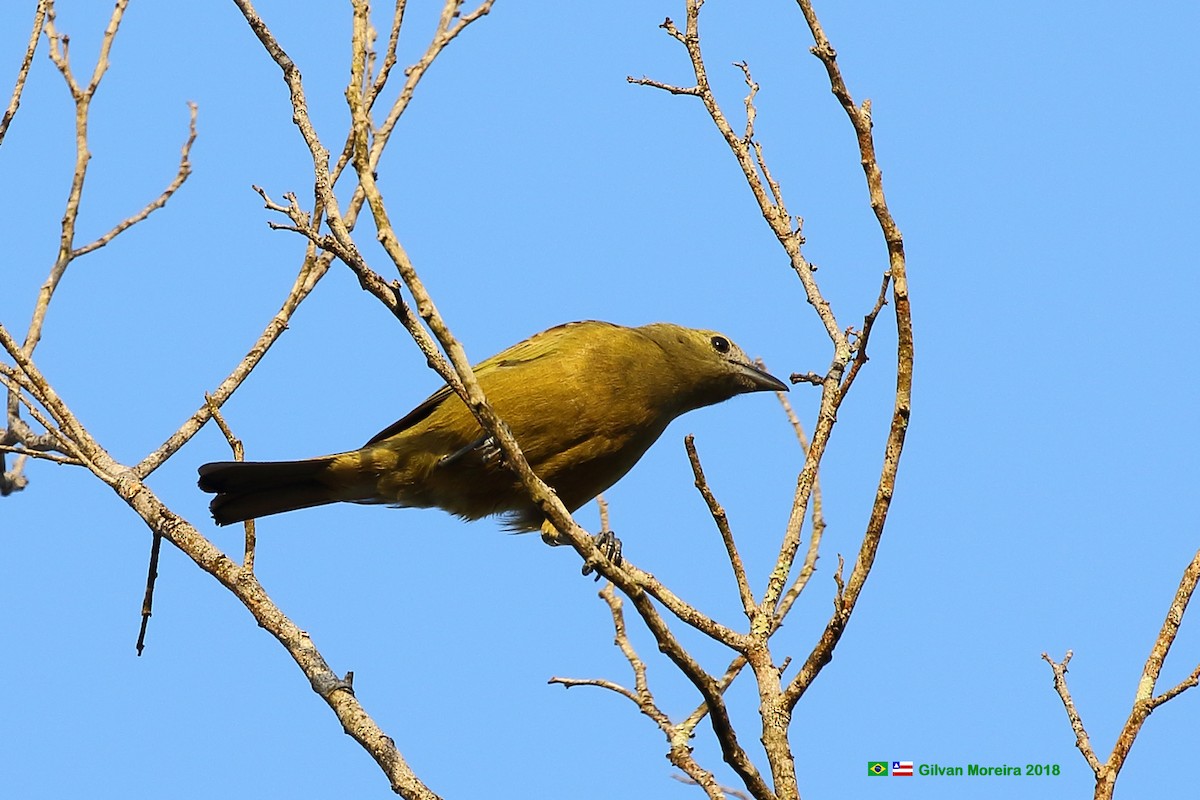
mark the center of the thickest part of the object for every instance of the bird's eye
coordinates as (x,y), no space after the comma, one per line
(720,344)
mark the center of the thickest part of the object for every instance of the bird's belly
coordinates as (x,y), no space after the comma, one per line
(589,465)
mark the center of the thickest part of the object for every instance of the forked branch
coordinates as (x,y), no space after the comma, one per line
(1145,700)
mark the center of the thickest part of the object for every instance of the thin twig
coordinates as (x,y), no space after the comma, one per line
(809,565)
(863,337)
(14,103)
(311,271)
(1190,682)
(315,266)
(666,87)
(722,522)
(1060,685)
(642,697)
(83,97)
(724,790)
(239,454)
(678,737)
(41,454)
(18,431)
(148,597)
(602,505)
(185,169)
(68,431)
(750,141)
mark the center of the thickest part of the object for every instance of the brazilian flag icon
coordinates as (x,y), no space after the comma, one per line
(877,768)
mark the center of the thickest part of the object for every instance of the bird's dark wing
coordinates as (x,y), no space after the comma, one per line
(413,417)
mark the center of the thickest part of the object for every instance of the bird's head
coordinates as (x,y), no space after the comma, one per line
(706,367)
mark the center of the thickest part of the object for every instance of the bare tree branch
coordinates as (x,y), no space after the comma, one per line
(240,581)
(1145,701)
(14,103)
(722,522)
(1082,741)
(860,119)
(185,169)
(67,252)
(678,736)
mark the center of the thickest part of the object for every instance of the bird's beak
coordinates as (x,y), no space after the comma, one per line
(760,380)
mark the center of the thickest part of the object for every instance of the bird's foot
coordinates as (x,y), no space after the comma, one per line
(606,541)
(484,452)
(610,546)
(490,453)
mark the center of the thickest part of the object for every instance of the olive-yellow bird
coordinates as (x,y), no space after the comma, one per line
(584,400)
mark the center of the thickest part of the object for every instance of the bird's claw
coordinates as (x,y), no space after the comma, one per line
(610,546)
(485,450)
(490,453)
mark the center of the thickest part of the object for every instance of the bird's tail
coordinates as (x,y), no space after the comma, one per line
(249,489)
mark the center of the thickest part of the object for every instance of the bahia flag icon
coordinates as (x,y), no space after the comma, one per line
(877,769)
(902,768)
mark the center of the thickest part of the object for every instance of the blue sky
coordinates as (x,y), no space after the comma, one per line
(1040,160)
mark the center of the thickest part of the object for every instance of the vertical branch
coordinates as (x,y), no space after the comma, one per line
(1167,634)
(83,99)
(809,565)
(860,119)
(14,103)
